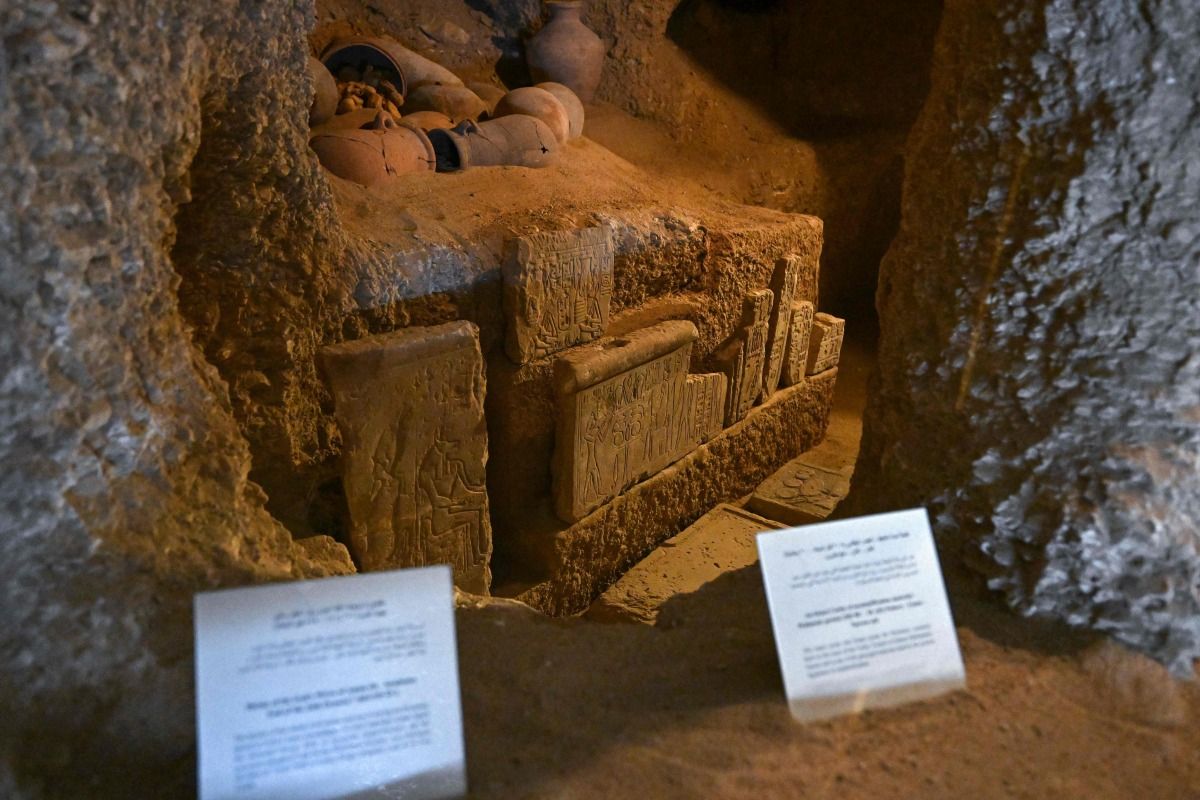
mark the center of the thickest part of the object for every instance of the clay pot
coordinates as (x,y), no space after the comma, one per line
(427,120)
(369,157)
(570,103)
(566,51)
(325,93)
(516,141)
(489,94)
(539,103)
(456,102)
(414,70)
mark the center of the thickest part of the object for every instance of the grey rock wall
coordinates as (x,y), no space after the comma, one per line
(124,482)
(1039,379)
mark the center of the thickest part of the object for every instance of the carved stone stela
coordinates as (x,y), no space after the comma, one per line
(557,291)
(783,284)
(620,402)
(743,357)
(704,407)
(410,408)
(802,492)
(825,343)
(795,359)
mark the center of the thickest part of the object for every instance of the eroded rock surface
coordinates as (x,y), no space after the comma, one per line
(1039,374)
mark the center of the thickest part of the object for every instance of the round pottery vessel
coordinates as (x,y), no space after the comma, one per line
(414,70)
(539,103)
(427,120)
(325,93)
(566,51)
(489,94)
(369,157)
(456,102)
(513,141)
(570,103)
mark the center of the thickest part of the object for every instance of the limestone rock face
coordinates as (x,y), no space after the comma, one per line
(1040,359)
(124,486)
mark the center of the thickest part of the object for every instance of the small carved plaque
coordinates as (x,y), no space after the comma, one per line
(743,357)
(803,491)
(557,291)
(620,401)
(795,359)
(410,408)
(825,343)
(783,284)
(704,406)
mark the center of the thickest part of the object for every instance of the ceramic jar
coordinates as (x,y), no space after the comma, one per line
(325,93)
(566,51)
(369,157)
(456,102)
(515,141)
(570,103)
(538,103)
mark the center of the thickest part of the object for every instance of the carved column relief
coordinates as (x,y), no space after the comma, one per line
(620,401)
(742,358)
(410,408)
(557,291)
(825,344)
(783,284)
(704,407)
(795,359)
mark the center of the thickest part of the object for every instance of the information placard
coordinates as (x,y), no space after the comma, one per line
(860,614)
(342,687)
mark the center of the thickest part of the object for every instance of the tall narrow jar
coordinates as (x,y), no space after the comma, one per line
(567,51)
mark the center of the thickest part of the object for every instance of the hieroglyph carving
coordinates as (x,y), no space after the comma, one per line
(620,402)
(704,406)
(557,291)
(743,357)
(410,408)
(783,283)
(795,359)
(825,343)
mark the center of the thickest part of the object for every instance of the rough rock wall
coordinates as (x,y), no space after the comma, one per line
(1039,378)
(124,486)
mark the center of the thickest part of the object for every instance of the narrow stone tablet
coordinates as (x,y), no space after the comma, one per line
(704,406)
(410,408)
(795,359)
(557,291)
(783,284)
(825,344)
(620,401)
(806,490)
(742,357)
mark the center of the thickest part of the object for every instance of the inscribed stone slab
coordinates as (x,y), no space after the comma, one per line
(704,407)
(410,408)
(805,490)
(783,283)
(557,291)
(795,359)
(743,357)
(825,343)
(619,404)
(719,542)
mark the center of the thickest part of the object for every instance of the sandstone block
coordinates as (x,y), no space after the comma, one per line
(619,403)
(704,407)
(742,358)
(784,281)
(795,359)
(557,291)
(825,343)
(410,408)
(805,490)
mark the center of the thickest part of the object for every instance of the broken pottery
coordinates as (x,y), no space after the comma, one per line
(566,51)
(570,102)
(536,103)
(415,70)
(515,141)
(427,120)
(368,157)
(325,93)
(488,93)
(456,102)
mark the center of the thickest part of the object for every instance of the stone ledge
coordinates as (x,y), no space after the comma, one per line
(584,559)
